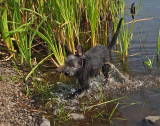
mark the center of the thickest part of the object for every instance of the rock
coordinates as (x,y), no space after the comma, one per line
(30,117)
(76,116)
(45,122)
(155,120)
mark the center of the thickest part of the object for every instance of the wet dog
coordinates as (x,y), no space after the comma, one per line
(86,65)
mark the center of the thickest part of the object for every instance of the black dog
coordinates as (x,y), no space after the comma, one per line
(84,66)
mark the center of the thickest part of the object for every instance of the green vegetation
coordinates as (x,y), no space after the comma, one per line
(0,78)
(113,112)
(126,33)
(126,38)
(4,28)
(51,24)
(158,44)
(149,63)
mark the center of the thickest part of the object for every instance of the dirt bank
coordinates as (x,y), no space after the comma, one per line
(15,108)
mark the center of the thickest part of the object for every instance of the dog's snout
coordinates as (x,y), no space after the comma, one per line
(66,73)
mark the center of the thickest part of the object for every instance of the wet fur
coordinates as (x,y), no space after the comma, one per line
(84,66)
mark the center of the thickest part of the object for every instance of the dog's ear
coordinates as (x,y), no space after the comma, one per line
(79,51)
(67,50)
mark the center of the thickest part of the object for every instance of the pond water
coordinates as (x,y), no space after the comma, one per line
(143,102)
(145,37)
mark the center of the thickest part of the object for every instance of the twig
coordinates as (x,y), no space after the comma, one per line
(145,19)
(7,58)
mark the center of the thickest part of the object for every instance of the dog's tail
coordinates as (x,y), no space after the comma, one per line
(115,35)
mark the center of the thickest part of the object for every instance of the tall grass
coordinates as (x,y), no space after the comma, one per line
(158,44)
(4,29)
(93,13)
(126,33)
(126,37)
(20,32)
(114,10)
(56,22)
(65,12)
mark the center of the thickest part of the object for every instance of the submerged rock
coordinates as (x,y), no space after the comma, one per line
(153,120)
(76,116)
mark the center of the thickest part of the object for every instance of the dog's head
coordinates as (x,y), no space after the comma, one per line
(73,63)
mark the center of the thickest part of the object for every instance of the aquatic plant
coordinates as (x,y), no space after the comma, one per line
(126,37)
(158,44)
(114,10)
(102,103)
(84,107)
(101,97)
(113,112)
(149,63)
(126,34)
(63,115)
(99,115)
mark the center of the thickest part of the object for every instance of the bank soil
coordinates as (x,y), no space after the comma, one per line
(15,108)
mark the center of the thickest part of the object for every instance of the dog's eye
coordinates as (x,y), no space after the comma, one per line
(72,65)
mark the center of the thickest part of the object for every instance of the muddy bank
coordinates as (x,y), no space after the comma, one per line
(15,108)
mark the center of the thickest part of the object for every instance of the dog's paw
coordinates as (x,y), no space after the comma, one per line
(105,81)
(70,96)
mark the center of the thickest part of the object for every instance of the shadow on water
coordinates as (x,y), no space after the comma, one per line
(141,92)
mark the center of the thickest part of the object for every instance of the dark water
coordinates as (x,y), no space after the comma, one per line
(144,102)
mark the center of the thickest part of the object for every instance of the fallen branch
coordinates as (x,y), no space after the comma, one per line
(145,19)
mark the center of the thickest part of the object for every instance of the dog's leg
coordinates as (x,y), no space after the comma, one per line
(78,91)
(83,85)
(105,70)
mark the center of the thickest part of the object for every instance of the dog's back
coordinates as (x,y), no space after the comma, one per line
(95,58)
(98,55)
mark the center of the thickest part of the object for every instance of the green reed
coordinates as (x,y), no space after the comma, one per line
(68,13)
(126,33)
(56,22)
(113,111)
(126,37)
(158,44)
(149,63)
(93,13)
(114,10)
(20,32)
(4,29)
